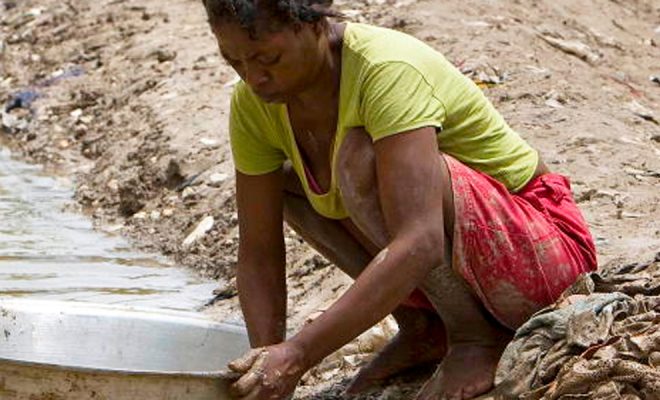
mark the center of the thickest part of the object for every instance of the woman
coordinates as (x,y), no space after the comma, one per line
(392,164)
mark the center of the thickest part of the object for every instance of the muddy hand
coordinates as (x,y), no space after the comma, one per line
(268,373)
(243,364)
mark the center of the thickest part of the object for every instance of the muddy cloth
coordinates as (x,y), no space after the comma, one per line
(600,340)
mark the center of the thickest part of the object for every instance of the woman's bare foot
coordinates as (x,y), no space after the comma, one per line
(467,371)
(421,340)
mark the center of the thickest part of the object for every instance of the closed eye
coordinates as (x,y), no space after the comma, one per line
(269,61)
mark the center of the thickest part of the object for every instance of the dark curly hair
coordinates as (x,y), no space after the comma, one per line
(275,13)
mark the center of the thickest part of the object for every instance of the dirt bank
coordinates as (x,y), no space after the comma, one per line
(132,98)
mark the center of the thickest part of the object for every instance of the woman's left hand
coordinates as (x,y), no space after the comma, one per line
(269,372)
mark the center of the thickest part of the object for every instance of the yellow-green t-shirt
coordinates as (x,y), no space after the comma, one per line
(390,83)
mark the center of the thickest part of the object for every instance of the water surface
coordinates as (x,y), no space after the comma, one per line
(47,252)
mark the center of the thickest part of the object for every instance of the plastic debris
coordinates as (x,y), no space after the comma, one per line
(202,228)
(482,72)
(22,99)
(642,112)
(573,47)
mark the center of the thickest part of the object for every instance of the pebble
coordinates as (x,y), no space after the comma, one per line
(188,192)
(76,114)
(113,185)
(217,179)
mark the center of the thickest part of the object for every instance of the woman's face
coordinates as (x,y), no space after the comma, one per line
(276,65)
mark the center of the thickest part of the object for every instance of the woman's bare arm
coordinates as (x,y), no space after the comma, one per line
(261,275)
(410,188)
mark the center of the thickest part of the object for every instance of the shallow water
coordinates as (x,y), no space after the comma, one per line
(47,252)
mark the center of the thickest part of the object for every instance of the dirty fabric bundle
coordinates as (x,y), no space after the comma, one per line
(601,340)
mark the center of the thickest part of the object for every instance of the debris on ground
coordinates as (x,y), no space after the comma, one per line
(600,340)
(574,47)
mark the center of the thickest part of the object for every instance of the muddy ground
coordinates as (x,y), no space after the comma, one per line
(131,98)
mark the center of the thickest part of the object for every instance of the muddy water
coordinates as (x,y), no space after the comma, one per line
(47,252)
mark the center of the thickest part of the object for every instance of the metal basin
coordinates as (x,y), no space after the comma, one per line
(63,351)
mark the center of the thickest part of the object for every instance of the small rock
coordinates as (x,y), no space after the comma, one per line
(202,228)
(217,179)
(12,123)
(164,55)
(140,215)
(154,215)
(76,114)
(168,212)
(113,185)
(189,192)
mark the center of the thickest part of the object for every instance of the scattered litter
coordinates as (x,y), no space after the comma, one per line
(573,47)
(21,99)
(477,24)
(24,98)
(639,173)
(554,99)
(482,72)
(60,74)
(209,142)
(202,228)
(544,72)
(605,41)
(188,182)
(642,112)
(626,214)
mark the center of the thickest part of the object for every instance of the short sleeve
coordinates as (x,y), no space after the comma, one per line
(252,152)
(397,98)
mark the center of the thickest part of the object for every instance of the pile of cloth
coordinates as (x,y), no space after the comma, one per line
(600,340)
